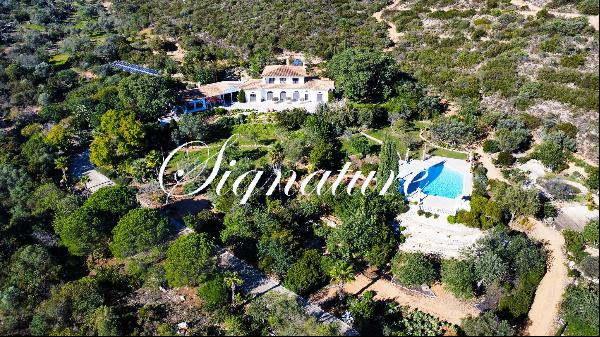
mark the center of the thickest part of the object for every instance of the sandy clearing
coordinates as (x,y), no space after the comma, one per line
(445,306)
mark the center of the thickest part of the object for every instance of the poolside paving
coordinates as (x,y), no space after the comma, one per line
(436,236)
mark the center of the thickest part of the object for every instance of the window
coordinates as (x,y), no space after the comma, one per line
(252,97)
(282,80)
(271,80)
(295,80)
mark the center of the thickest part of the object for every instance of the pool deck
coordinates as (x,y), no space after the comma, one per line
(436,204)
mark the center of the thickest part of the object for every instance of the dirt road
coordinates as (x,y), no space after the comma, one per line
(544,311)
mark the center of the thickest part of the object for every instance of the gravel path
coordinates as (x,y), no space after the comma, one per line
(393,32)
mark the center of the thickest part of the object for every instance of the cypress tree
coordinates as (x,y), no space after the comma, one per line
(388,161)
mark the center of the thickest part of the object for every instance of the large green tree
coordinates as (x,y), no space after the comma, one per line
(363,74)
(149,96)
(190,260)
(139,230)
(120,136)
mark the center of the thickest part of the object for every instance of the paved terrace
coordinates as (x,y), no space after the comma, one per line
(266,106)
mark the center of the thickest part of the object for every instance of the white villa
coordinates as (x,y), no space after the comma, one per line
(282,83)
(280,87)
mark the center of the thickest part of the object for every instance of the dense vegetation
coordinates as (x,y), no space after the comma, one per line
(112,262)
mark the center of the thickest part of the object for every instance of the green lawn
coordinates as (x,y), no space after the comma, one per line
(448,154)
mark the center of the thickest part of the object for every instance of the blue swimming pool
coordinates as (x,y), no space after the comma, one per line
(438,180)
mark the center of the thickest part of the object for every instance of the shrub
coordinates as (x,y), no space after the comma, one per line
(517,304)
(459,277)
(488,324)
(575,244)
(560,190)
(574,61)
(491,146)
(505,159)
(588,7)
(413,269)
(214,293)
(306,274)
(580,311)
(590,233)
(589,266)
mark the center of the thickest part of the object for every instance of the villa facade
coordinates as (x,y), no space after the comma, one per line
(282,83)
(280,87)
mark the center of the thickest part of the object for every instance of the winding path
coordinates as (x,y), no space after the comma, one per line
(533,10)
(545,310)
(393,32)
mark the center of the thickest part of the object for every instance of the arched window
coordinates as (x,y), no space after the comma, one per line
(283,95)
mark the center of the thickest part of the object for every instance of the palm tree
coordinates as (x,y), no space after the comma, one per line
(232,280)
(341,273)
(62,163)
(277,155)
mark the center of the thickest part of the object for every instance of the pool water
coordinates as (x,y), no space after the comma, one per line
(440,181)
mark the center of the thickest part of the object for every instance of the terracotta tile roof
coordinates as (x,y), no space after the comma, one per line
(313,84)
(284,71)
(209,90)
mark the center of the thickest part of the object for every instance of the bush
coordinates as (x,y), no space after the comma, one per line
(488,324)
(589,266)
(505,159)
(491,146)
(214,293)
(413,269)
(459,277)
(516,305)
(580,310)
(306,274)
(560,190)
(588,7)
(590,233)
(574,242)
(291,119)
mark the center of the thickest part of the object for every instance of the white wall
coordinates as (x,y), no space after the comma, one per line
(261,94)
